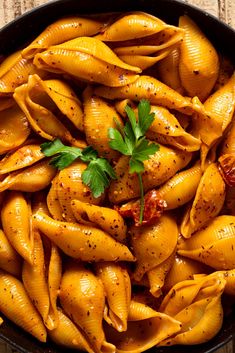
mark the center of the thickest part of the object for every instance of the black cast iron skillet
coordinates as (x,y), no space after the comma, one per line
(22,30)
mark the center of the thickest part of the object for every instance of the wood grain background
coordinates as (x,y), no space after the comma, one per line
(224,9)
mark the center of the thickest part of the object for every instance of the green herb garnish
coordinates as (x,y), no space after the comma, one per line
(131,141)
(98,173)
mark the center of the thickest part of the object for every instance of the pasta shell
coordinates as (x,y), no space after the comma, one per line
(142,61)
(146,329)
(146,87)
(88,59)
(14,128)
(132,26)
(14,71)
(203,316)
(216,107)
(207,203)
(156,44)
(73,239)
(185,293)
(53,203)
(10,261)
(181,188)
(15,216)
(106,218)
(99,116)
(167,130)
(34,279)
(82,297)
(117,286)
(168,70)
(182,269)
(214,245)
(67,334)
(62,31)
(21,158)
(31,179)
(61,94)
(217,104)
(42,120)
(53,267)
(157,276)
(197,305)
(69,186)
(16,306)
(199,61)
(158,168)
(228,276)
(152,245)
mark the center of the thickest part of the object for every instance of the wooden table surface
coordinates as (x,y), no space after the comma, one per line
(224,9)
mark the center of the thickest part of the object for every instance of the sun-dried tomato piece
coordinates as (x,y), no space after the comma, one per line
(227,168)
(153,208)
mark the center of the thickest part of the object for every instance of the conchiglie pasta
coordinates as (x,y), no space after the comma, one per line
(213,245)
(197,305)
(34,279)
(157,275)
(67,334)
(183,269)
(16,306)
(82,298)
(181,188)
(152,245)
(117,286)
(14,128)
(14,71)
(88,59)
(132,26)
(159,168)
(146,329)
(62,31)
(99,116)
(73,239)
(168,70)
(146,87)
(21,158)
(167,130)
(199,62)
(31,179)
(15,217)
(10,260)
(40,112)
(68,186)
(216,108)
(107,219)
(207,203)
(53,203)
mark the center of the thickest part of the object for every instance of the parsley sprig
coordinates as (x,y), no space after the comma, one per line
(130,140)
(98,173)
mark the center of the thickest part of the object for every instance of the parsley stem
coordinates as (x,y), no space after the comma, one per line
(141,198)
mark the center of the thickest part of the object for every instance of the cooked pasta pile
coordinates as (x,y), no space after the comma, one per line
(81,270)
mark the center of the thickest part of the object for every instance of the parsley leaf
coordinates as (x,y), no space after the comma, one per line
(98,173)
(97,176)
(132,142)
